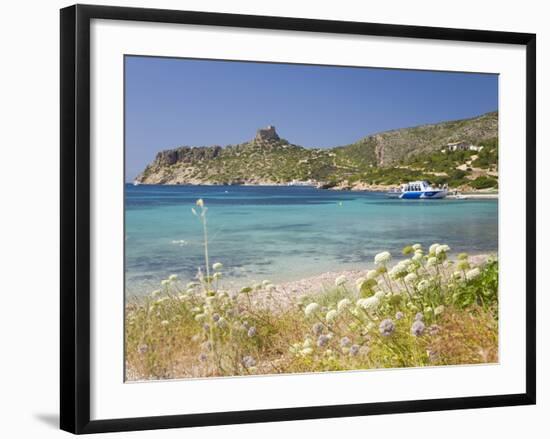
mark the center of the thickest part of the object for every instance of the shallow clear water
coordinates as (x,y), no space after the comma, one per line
(287,233)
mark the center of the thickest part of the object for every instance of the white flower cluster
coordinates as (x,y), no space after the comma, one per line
(343,304)
(411,278)
(340,280)
(473,273)
(400,269)
(382,258)
(372,274)
(440,249)
(370,303)
(331,316)
(312,309)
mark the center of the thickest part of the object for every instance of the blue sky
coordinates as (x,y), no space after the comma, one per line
(172,102)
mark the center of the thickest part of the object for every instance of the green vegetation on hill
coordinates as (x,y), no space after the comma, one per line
(387,158)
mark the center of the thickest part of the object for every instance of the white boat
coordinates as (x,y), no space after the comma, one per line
(136,183)
(457,196)
(301,183)
(418,190)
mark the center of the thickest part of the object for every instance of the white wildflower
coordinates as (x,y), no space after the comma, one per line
(417,247)
(340,280)
(411,277)
(439,310)
(431,261)
(165,282)
(359,282)
(155,293)
(344,304)
(311,309)
(399,269)
(372,274)
(369,303)
(433,247)
(382,258)
(173,277)
(473,273)
(217,266)
(442,249)
(331,315)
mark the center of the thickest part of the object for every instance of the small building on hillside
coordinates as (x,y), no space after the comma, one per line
(462,146)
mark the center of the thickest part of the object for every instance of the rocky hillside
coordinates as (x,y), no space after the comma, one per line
(268,159)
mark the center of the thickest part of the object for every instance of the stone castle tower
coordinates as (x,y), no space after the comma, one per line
(266,134)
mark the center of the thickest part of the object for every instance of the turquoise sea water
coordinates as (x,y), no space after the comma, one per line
(287,233)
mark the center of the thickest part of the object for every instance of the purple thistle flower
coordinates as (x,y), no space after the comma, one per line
(419,316)
(203,357)
(142,348)
(398,315)
(354,350)
(215,317)
(317,328)
(386,327)
(252,331)
(345,341)
(323,340)
(417,328)
(248,362)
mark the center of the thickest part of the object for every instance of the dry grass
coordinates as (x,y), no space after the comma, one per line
(467,336)
(165,338)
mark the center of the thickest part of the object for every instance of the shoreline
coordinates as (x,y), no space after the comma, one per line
(286,292)
(479,194)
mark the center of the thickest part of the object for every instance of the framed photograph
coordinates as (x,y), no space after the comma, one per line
(268,218)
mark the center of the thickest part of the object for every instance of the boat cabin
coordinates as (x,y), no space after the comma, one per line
(416,186)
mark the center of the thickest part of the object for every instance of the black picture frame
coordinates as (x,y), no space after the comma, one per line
(75,217)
